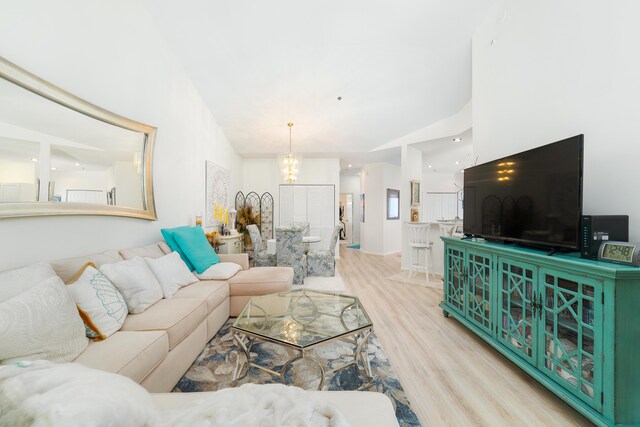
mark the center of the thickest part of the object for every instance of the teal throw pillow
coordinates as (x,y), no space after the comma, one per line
(167,233)
(196,247)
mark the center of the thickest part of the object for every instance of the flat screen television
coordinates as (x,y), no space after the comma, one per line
(533,198)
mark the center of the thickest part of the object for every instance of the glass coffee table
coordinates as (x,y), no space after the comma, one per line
(302,320)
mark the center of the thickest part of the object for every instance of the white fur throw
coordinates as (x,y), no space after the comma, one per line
(42,393)
(252,405)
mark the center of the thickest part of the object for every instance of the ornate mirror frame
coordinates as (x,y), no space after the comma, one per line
(35,84)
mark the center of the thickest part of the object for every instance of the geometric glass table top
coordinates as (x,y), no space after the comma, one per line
(302,318)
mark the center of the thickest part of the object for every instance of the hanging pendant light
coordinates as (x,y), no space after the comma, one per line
(290,163)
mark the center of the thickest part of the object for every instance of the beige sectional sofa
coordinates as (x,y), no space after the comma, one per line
(155,348)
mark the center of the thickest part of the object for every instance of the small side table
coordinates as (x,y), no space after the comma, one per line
(232,244)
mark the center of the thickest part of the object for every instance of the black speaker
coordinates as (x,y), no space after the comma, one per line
(598,228)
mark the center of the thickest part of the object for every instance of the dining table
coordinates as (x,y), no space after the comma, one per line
(306,240)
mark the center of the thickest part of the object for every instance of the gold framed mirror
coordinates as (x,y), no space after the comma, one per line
(61,155)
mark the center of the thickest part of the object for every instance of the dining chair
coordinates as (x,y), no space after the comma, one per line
(323,263)
(290,252)
(306,227)
(419,240)
(259,255)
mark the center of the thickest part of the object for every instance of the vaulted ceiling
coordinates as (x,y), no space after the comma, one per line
(398,66)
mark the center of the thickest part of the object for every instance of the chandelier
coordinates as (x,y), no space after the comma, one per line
(290,163)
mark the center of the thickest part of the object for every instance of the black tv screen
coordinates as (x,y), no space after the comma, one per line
(533,197)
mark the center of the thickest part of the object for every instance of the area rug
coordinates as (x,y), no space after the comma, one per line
(354,247)
(213,370)
(417,279)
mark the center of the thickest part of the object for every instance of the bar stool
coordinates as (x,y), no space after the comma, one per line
(419,241)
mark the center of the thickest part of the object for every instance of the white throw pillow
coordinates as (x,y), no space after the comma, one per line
(14,282)
(40,393)
(136,283)
(99,302)
(171,272)
(220,271)
(41,323)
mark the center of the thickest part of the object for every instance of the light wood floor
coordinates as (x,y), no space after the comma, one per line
(452,377)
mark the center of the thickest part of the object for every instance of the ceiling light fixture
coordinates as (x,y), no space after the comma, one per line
(33,159)
(457,162)
(457,139)
(349,166)
(53,168)
(429,166)
(76,164)
(290,163)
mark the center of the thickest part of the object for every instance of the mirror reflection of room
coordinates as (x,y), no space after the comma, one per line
(49,152)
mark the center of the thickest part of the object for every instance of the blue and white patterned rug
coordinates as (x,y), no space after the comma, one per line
(213,370)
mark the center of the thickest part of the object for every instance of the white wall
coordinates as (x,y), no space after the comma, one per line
(13,171)
(378,235)
(113,55)
(262,175)
(392,227)
(79,180)
(558,69)
(350,184)
(437,182)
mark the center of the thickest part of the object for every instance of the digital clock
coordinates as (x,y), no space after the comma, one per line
(620,252)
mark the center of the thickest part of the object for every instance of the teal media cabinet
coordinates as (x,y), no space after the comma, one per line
(570,323)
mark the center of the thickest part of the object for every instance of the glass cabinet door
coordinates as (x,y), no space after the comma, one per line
(572,344)
(454,284)
(516,307)
(479,298)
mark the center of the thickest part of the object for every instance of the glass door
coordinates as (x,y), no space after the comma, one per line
(516,322)
(455,277)
(479,297)
(571,307)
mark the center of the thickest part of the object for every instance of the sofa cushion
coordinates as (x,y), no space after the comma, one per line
(261,281)
(149,251)
(213,291)
(177,316)
(164,247)
(193,242)
(136,283)
(41,323)
(132,354)
(67,268)
(14,282)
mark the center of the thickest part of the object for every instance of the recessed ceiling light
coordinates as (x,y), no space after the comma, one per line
(33,159)
(76,164)
(457,139)
(359,173)
(429,166)
(349,166)
(457,162)
(53,168)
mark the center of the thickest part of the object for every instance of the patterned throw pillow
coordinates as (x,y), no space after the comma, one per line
(41,323)
(99,302)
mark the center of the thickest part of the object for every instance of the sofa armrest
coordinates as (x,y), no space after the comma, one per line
(242,259)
